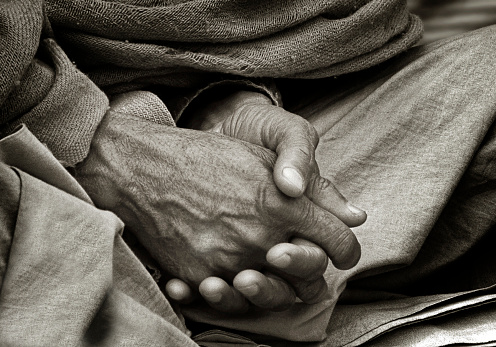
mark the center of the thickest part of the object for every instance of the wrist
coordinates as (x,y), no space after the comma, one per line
(208,116)
(194,115)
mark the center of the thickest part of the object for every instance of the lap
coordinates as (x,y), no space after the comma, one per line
(395,139)
(412,142)
(398,139)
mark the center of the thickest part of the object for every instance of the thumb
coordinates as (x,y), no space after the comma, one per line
(296,140)
(292,137)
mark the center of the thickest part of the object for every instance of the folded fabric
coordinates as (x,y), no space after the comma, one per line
(412,142)
(379,318)
(70,278)
(470,327)
(128,42)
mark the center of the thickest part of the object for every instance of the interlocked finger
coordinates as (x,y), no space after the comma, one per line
(324,194)
(221,296)
(312,223)
(300,259)
(265,290)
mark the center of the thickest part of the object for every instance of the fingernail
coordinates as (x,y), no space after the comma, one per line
(215,297)
(354,209)
(250,290)
(293,177)
(281,262)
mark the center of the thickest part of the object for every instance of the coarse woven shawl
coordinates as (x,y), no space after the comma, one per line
(174,46)
(126,42)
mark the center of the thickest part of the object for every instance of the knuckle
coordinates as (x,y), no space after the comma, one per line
(246,110)
(307,218)
(313,263)
(305,151)
(264,200)
(320,260)
(317,185)
(270,203)
(256,111)
(308,130)
(280,296)
(306,290)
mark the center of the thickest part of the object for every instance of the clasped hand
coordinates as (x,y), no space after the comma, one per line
(209,206)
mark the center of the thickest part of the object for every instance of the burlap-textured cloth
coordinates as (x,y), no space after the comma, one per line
(174,47)
(304,38)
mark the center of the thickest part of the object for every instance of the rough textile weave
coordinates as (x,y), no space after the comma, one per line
(173,48)
(39,85)
(303,38)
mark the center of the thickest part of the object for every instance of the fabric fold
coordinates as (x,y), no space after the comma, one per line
(251,39)
(70,279)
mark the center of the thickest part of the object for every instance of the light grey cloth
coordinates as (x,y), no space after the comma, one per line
(70,279)
(413,143)
(445,18)
(416,148)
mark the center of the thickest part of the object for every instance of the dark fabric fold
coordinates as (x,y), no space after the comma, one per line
(41,87)
(247,38)
(173,48)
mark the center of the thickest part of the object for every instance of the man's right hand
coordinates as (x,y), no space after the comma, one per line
(203,204)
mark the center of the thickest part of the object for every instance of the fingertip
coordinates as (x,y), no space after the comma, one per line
(179,291)
(212,289)
(357,215)
(246,278)
(248,290)
(352,258)
(300,259)
(281,262)
(295,144)
(278,256)
(221,296)
(265,291)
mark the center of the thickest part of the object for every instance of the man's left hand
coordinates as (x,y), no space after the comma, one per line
(299,265)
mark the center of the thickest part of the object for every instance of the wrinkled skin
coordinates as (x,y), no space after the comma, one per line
(203,204)
(252,117)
